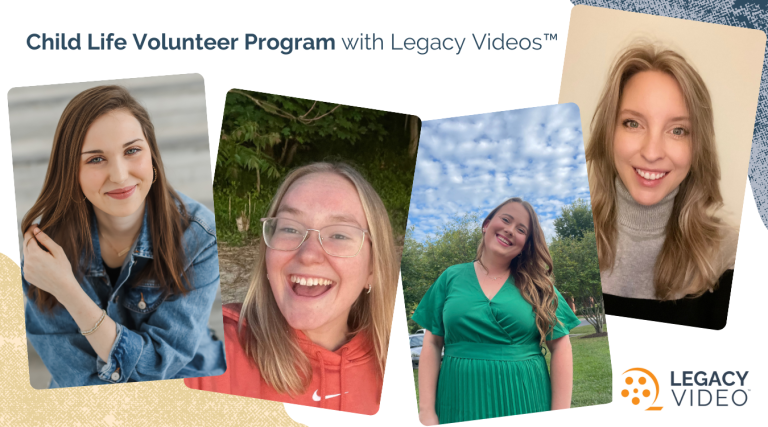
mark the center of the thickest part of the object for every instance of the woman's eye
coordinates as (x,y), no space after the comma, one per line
(95,160)
(132,150)
(679,131)
(506,221)
(632,124)
(288,230)
(338,236)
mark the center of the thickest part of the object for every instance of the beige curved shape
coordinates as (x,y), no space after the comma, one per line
(157,403)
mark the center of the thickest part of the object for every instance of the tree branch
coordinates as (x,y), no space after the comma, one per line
(271,108)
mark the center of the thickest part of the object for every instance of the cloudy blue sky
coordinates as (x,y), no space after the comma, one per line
(471,164)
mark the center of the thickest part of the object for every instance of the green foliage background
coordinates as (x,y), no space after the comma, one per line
(264,136)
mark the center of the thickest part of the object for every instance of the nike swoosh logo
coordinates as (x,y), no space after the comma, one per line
(317,398)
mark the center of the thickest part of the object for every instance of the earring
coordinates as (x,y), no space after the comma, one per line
(154,174)
(369,288)
(483,230)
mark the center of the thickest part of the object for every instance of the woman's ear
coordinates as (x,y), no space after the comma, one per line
(369,282)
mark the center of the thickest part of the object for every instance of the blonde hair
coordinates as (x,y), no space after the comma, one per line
(693,233)
(266,336)
(532,270)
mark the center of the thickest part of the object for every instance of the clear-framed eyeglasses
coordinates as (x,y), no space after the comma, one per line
(343,241)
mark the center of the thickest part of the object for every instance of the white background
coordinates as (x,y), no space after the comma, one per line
(432,86)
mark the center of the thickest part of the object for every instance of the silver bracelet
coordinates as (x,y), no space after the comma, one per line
(98,323)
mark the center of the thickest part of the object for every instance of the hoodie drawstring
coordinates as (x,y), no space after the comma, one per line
(322,379)
(341,375)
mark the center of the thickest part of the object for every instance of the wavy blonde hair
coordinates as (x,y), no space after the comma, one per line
(693,233)
(266,336)
(532,270)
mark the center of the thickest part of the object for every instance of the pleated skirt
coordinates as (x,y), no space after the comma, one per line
(474,389)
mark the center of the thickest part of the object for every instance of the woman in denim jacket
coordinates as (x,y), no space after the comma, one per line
(121,272)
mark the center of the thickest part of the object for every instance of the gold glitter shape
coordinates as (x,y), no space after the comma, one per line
(156,403)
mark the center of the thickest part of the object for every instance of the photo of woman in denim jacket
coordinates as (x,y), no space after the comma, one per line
(119,270)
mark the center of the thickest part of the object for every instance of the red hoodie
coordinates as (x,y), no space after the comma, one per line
(345,380)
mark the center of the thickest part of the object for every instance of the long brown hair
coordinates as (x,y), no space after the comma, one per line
(65,214)
(266,336)
(532,270)
(693,233)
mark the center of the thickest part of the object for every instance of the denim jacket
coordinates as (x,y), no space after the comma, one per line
(158,336)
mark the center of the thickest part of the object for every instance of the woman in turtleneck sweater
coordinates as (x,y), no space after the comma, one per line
(655,178)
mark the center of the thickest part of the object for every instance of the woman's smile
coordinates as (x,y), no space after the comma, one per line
(650,178)
(122,193)
(309,286)
(503,240)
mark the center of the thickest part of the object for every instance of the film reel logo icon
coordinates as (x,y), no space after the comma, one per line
(641,385)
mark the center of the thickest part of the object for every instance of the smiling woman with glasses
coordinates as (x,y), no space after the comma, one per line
(314,327)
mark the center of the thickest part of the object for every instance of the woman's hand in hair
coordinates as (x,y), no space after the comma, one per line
(46,265)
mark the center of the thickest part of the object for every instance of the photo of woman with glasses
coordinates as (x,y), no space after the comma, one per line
(121,271)
(493,316)
(314,327)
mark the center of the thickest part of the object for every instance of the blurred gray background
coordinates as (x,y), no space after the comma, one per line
(176,105)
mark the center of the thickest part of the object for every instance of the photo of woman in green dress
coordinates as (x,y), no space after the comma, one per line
(493,317)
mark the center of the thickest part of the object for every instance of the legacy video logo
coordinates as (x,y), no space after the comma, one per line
(641,386)
(714,388)
(689,388)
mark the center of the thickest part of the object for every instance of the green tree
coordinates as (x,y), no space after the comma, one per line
(263,136)
(577,275)
(576,266)
(423,262)
(575,220)
(245,147)
(300,123)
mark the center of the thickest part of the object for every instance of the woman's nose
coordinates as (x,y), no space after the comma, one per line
(653,147)
(311,252)
(118,171)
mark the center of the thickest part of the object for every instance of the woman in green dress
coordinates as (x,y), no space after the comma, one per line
(493,316)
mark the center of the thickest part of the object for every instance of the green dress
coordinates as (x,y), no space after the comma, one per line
(493,364)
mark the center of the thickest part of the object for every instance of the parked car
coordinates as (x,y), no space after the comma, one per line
(417,341)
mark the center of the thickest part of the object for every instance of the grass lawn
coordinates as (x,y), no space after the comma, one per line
(416,381)
(588,329)
(591,369)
